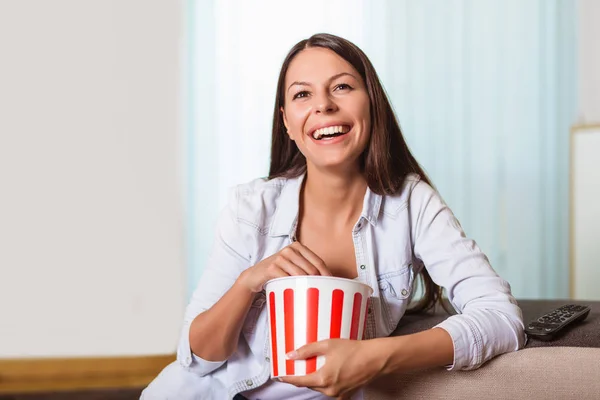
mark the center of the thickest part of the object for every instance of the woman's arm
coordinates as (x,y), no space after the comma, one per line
(227,318)
(228,314)
(350,364)
(430,348)
(489,321)
(229,257)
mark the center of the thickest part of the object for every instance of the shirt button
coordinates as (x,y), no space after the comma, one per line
(404,292)
(249,382)
(363,266)
(188,360)
(267,359)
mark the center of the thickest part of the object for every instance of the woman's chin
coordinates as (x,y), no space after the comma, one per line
(335,165)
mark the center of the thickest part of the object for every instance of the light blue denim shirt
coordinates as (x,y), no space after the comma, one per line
(394,238)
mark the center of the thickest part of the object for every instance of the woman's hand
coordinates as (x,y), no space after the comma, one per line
(349,364)
(293,260)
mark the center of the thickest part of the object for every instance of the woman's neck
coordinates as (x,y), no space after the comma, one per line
(333,198)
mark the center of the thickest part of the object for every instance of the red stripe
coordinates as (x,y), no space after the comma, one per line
(355,316)
(288,317)
(365,321)
(337,305)
(273,333)
(312,324)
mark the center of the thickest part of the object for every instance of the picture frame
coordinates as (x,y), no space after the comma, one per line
(584,212)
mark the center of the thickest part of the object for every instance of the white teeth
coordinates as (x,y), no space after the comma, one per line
(330,130)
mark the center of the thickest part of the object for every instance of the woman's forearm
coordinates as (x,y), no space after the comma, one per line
(431,348)
(214,334)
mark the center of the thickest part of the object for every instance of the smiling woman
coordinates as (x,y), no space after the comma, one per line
(331,109)
(345,198)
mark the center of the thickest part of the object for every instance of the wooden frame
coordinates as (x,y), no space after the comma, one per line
(576,129)
(62,374)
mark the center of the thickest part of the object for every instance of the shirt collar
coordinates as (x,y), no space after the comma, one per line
(371,206)
(286,215)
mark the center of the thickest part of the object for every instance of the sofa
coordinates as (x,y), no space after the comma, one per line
(567,367)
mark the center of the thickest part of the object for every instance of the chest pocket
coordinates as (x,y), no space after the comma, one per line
(257,305)
(395,289)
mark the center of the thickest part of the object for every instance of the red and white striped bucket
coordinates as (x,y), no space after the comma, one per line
(306,309)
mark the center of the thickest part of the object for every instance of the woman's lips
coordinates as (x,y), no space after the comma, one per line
(330,130)
(331,139)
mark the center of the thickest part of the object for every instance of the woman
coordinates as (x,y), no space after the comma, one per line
(344,197)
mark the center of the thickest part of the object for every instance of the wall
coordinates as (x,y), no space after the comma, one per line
(589,61)
(91,206)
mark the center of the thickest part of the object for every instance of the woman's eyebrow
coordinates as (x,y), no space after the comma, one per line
(334,77)
(299,84)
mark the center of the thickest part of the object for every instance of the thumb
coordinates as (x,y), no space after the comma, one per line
(308,350)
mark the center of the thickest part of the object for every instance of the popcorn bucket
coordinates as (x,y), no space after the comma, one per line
(306,309)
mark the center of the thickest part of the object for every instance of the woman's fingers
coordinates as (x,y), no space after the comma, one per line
(294,260)
(284,263)
(296,257)
(275,273)
(312,258)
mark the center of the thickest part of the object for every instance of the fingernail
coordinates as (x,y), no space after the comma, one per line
(291,355)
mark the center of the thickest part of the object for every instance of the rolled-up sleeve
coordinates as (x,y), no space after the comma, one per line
(229,257)
(489,321)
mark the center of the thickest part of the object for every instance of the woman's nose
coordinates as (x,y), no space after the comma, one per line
(325,104)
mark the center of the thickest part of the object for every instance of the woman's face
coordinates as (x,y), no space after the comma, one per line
(326,109)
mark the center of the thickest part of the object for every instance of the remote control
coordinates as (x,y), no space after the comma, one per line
(548,325)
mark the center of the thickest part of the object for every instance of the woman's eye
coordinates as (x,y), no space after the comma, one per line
(299,95)
(343,86)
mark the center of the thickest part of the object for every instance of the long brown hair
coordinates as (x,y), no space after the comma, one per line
(387,159)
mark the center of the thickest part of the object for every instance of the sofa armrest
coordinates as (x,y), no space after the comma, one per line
(536,373)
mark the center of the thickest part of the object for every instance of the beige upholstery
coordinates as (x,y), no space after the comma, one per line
(535,373)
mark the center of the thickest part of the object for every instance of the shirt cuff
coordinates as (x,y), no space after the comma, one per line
(466,340)
(190,361)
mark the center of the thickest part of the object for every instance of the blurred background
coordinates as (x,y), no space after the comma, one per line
(485,92)
(123,124)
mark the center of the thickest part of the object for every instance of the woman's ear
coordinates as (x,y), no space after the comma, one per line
(285,122)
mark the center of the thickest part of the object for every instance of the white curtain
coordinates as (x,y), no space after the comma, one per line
(484,92)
